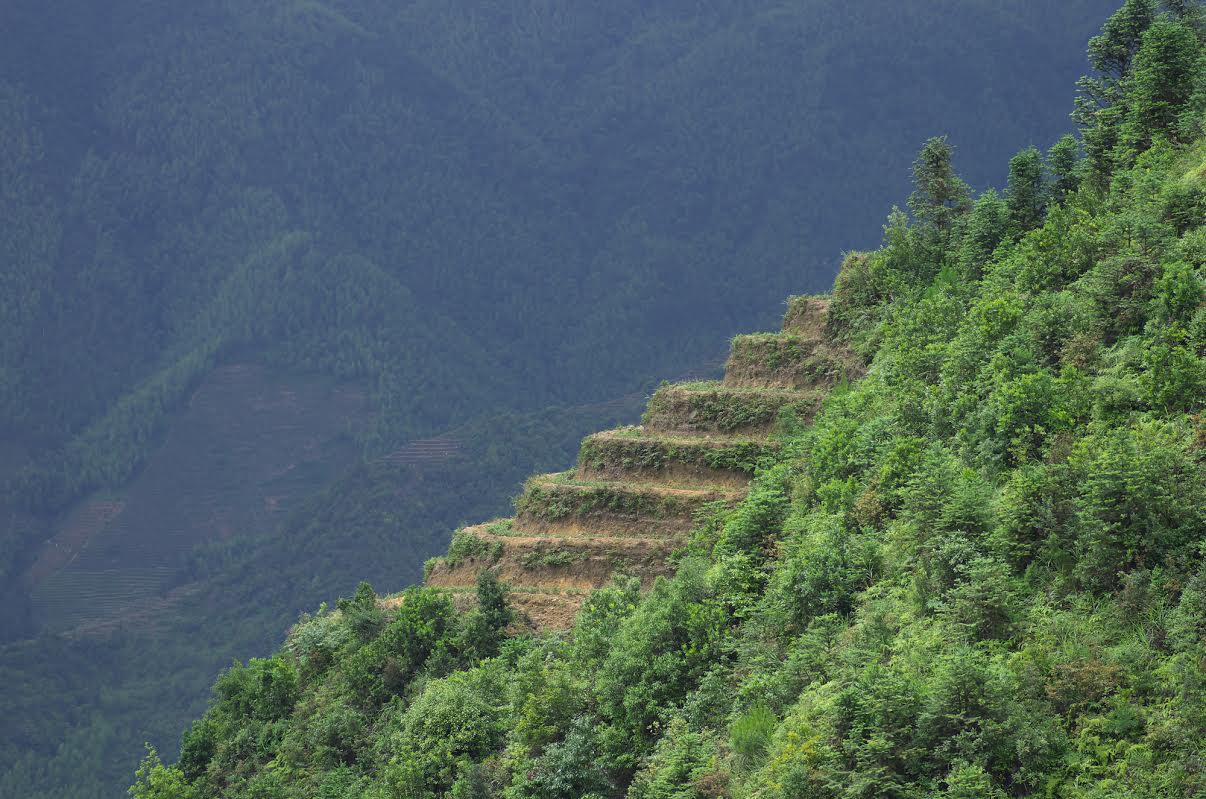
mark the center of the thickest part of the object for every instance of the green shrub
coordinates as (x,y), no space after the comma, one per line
(454,721)
(552,558)
(567,769)
(683,766)
(467,546)
(759,518)
(1140,500)
(750,736)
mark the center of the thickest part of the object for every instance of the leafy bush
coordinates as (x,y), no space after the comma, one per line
(750,735)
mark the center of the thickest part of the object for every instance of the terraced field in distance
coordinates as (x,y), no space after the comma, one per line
(247,447)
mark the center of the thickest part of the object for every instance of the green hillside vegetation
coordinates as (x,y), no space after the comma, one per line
(978,571)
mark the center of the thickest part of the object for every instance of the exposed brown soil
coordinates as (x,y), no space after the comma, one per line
(668,459)
(558,564)
(390,602)
(673,460)
(606,526)
(622,507)
(763,364)
(534,610)
(543,611)
(566,481)
(686,438)
(520,544)
(585,575)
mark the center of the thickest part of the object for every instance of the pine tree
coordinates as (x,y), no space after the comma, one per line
(986,228)
(1024,193)
(1162,79)
(940,196)
(1098,108)
(1188,12)
(1111,52)
(1063,160)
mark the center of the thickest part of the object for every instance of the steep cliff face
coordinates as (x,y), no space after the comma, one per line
(629,504)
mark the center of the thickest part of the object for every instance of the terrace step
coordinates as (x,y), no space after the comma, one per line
(72,537)
(66,600)
(806,316)
(714,407)
(676,460)
(429,450)
(564,505)
(545,610)
(547,563)
(535,609)
(785,360)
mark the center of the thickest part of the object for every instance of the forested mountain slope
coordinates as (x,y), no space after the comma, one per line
(977,572)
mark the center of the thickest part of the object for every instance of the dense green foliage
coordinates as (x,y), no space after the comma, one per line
(461,209)
(979,573)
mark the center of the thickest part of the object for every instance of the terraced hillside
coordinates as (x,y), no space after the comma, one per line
(248,447)
(635,491)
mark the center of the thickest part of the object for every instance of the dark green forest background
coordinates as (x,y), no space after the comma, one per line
(486,216)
